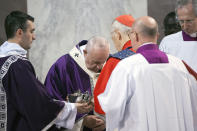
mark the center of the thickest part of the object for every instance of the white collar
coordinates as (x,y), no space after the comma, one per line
(8,48)
(193,35)
(82,48)
(145,44)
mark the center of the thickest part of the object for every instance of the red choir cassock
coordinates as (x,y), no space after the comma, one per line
(126,20)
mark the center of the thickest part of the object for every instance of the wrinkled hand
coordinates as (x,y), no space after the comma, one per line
(94,122)
(99,128)
(83,107)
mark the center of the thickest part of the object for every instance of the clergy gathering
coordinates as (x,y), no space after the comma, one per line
(148,83)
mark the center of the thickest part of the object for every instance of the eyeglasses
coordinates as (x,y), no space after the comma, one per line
(186,21)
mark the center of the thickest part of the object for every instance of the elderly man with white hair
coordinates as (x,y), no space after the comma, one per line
(120,36)
(77,72)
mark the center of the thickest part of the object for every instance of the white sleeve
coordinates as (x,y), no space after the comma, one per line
(193,91)
(113,100)
(162,45)
(66,117)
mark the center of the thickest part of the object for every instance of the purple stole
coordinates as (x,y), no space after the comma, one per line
(186,37)
(152,54)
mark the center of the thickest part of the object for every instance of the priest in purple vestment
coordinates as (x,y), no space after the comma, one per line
(24,103)
(77,72)
(157,91)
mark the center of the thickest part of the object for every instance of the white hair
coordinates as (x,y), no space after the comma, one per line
(181,3)
(118,26)
(97,42)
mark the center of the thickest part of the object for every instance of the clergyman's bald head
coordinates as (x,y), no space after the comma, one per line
(144,30)
(146,26)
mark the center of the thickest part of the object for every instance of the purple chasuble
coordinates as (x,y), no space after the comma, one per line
(186,37)
(29,107)
(152,54)
(67,77)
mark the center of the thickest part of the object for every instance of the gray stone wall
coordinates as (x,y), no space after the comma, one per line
(61,24)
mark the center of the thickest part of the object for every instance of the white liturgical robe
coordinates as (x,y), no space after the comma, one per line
(150,97)
(185,50)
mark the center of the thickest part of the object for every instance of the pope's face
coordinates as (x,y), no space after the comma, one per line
(95,59)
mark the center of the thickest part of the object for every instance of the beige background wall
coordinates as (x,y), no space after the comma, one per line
(61,24)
